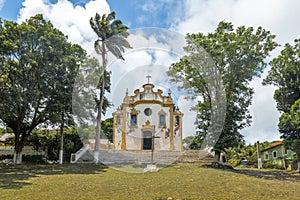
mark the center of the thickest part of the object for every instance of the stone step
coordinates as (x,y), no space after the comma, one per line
(159,157)
(196,156)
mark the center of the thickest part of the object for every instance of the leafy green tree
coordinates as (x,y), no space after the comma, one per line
(107,128)
(112,34)
(49,141)
(239,56)
(88,131)
(289,127)
(6,130)
(38,66)
(85,99)
(235,155)
(63,89)
(285,75)
(188,140)
(232,156)
(2,130)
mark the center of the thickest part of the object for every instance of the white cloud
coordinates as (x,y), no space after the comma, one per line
(2,2)
(150,6)
(71,20)
(264,114)
(189,117)
(280,17)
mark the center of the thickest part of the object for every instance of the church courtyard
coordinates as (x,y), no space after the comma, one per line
(181,181)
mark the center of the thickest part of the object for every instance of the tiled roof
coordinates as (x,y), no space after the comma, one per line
(274,144)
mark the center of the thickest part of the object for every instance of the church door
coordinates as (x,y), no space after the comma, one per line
(147,140)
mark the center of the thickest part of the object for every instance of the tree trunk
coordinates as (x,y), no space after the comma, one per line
(18,149)
(217,156)
(100,107)
(17,154)
(97,140)
(17,157)
(61,151)
(298,158)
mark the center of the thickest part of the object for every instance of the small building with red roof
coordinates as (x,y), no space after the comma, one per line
(276,151)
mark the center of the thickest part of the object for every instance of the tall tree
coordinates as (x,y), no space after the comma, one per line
(38,66)
(62,90)
(85,99)
(285,75)
(239,56)
(112,34)
(289,127)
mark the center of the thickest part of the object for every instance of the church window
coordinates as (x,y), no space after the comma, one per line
(133,120)
(177,120)
(162,120)
(148,111)
(118,120)
(133,117)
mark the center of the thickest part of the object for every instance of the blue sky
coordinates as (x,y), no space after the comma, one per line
(183,16)
(136,13)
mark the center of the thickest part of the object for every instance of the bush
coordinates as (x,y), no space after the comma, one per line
(234,162)
(3,157)
(273,164)
(34,159)
(293,162)
(49,141)
(72,144)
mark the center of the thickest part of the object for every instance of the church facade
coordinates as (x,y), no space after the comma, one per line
(147,120)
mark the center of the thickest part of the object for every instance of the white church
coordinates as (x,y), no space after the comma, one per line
(147,120)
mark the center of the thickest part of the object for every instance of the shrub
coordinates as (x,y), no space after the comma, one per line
(3,157)
(234,162)
(273,164)
(34,159)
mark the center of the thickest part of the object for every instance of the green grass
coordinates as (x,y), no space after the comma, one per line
(184,181)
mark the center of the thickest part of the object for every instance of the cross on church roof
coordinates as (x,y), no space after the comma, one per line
(148,77)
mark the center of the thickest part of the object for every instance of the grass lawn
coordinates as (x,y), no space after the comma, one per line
(182,181)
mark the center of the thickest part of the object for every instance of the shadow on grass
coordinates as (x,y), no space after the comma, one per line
(264,173)
(270,175)
(16,176)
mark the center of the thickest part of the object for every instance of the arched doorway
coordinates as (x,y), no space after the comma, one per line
(147,140)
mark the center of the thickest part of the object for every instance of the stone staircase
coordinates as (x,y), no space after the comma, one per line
(83,155)
(159,157)
(196,156)
(115,157)
(138,157)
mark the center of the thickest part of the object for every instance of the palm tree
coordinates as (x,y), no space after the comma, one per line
(112,34)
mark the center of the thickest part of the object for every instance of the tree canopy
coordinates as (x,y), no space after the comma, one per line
(38,69)
(285,75)
(239,56)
